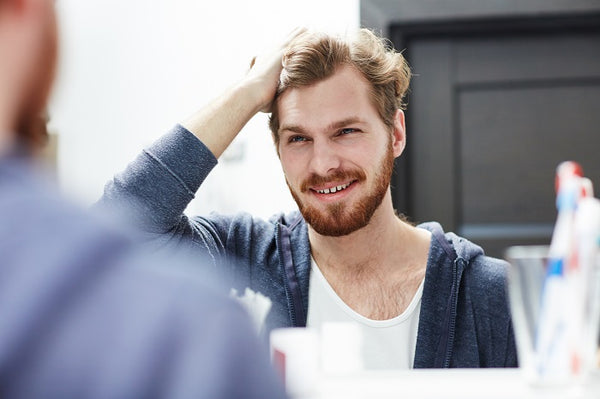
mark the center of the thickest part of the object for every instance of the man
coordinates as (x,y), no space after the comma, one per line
(83,314)
(422,298)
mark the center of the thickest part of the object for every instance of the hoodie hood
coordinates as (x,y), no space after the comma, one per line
(454,245)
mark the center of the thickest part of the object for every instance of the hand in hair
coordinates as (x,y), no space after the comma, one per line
(265,70)
(218,123)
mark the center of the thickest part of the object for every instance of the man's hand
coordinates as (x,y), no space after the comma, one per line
(219,123)
(265,70)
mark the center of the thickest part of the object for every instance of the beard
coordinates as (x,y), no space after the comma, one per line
(339,219)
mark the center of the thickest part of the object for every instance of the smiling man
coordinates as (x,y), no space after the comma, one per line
(329,131)
(421,297)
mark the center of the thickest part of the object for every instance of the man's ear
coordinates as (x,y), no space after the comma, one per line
(399,133)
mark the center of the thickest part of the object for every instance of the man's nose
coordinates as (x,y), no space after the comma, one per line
(325,158)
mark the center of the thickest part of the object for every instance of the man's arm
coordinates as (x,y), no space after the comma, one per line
(154,190)
(219,123)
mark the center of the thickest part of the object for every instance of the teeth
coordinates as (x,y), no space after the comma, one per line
(333,189)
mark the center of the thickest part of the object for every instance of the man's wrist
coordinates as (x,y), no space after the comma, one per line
(254,93)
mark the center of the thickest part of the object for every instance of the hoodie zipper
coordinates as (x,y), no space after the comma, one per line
(292,290)
(445,349)
(453,305)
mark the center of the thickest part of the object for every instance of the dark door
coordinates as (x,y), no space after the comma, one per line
(489,119)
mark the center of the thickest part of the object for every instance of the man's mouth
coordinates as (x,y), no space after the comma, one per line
(334,189)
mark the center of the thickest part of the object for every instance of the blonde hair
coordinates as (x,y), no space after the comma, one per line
(313,57)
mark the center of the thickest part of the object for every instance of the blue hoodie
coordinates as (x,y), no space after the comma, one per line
(464,316)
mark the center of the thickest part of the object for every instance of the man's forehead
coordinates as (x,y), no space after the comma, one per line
(337,100)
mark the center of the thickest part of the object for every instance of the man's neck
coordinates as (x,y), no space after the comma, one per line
(384,243)
(375,270)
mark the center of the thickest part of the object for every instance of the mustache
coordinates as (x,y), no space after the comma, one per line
(335,176)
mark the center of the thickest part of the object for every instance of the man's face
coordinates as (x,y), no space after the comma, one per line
(336,152)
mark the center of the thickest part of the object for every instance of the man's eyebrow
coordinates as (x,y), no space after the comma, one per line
(292,128)
(332,126)
(344,122)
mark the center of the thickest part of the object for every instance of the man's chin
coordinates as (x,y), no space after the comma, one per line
(333,232)
(333,226)
(338,219)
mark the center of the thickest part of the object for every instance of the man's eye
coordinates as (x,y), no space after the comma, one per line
(347,130)
(297,139)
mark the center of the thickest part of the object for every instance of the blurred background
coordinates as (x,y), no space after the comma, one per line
(503,92)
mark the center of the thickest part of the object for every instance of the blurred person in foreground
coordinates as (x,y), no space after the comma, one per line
(421,297)
(84,314)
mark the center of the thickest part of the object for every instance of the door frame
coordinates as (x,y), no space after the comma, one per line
(402,32)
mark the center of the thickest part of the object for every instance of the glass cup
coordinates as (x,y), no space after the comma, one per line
(555,318)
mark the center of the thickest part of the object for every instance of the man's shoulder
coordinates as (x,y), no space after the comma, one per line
(290,220)
(244,220)
(487,272)
(34,211)
(489,264)
(454,248)
(87,293)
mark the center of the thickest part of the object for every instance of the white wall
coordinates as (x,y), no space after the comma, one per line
(131,69)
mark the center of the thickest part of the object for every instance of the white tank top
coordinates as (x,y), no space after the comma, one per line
(386,344)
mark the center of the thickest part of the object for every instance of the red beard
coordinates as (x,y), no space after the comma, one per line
(340,219)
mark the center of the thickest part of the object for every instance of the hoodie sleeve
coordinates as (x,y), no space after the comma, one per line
(152,193)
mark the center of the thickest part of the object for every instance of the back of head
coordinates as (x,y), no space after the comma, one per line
(314,56)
